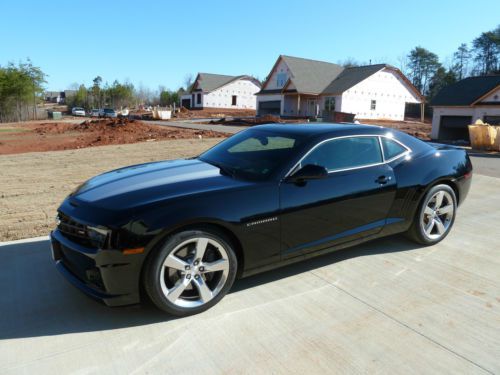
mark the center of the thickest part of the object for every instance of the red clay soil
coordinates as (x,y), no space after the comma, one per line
(267,119)
(414,128)
(53,136)
(417,129)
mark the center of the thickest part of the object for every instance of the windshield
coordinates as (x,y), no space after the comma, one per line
(254,154)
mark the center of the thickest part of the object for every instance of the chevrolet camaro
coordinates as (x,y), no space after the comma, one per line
(181,231)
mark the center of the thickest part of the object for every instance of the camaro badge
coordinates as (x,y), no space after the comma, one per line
(263,221)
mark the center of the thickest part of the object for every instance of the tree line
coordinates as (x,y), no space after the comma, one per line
(22,84)
(21,89)
(120,95)
(429,75)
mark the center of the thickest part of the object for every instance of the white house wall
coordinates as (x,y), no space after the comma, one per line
(244,90)
(389,91)
(477,113)
(493,97)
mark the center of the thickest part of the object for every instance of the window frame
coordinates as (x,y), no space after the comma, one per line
(373,105)
(378,136)
(404,153)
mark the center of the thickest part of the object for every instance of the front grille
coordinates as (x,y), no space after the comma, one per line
(71,228)
(74,230)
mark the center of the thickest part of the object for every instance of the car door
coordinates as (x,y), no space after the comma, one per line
(351,202)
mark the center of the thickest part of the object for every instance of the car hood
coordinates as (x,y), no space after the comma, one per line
(151,182)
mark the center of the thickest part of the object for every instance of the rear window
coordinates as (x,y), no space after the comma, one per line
(345,153)
(392,148)
(263,144)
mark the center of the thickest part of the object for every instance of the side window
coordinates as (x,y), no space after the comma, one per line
(392,148)
(344,153)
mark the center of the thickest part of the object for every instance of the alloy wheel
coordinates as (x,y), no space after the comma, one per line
(194,272)
(438,215)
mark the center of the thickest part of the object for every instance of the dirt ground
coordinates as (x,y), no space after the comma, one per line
(267,119)
(66,135)
(32,185)
(417,129)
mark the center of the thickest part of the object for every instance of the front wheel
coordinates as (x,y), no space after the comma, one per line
(190,272)
(435,216)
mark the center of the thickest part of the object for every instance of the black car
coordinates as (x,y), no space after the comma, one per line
(181,231)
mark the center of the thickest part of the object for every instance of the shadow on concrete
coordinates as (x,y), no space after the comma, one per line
(35,300)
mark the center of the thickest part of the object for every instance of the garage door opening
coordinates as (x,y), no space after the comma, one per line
(272,107)
(492,120)
(454,128)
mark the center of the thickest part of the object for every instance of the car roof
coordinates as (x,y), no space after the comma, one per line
(337,129)
(319,131)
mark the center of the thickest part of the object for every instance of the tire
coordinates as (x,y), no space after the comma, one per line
(181,282)
(435,216)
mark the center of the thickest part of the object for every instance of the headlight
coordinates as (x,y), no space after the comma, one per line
(98,235)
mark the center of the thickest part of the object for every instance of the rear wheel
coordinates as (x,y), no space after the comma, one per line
(190,272)
(435,216)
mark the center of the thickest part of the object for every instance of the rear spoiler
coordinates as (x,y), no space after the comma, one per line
(442,146)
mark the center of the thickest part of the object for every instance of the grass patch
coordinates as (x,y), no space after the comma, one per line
(13,130)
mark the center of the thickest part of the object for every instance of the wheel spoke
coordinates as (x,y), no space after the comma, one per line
(201,246)
(446,210)
(439,225)
(205,292)
(428,210)
(439,199)
(428,228)
(174,262)
(218,265)
(177,289)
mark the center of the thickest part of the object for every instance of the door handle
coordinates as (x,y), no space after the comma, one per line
(382,180)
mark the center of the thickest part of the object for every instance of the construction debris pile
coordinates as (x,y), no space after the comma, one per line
(53,136)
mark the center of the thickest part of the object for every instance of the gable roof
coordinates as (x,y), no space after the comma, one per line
(351,77)
(311,76)
(467,91)
(208,82)
(319,77)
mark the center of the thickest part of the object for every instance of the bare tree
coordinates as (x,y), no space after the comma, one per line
(188,81)
(461,60)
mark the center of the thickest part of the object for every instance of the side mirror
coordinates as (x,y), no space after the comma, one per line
(309,172)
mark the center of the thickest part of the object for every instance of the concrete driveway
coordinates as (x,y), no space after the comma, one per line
(388,307)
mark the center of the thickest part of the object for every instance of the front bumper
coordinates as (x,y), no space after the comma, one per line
(106,275)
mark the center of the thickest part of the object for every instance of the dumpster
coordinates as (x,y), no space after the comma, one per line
(55,115)
(484,136)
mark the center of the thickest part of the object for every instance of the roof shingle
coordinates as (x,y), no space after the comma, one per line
(311,76)
(466,91)
(351,77)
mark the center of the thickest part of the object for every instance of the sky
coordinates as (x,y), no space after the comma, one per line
(152,43)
